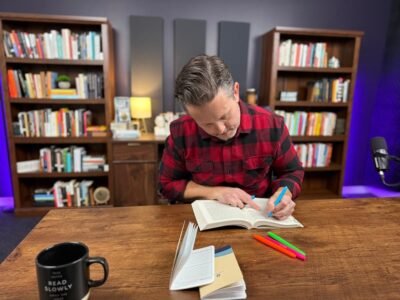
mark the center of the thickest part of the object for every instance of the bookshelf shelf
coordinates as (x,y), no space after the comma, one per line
(332,167)
(315,70)
(60,140)
(320,139)
(85,55)
(58,101)
(305,104)
(70,62)
(294,58)
(63,175)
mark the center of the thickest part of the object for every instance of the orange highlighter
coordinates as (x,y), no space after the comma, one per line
(274,246)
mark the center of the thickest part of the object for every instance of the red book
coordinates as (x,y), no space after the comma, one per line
(12,88)
(17,42)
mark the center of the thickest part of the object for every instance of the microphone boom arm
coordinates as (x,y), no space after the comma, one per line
(382,174)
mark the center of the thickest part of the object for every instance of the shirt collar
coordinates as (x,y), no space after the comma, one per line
(245,126)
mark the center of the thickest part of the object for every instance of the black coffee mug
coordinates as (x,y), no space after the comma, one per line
(63,271)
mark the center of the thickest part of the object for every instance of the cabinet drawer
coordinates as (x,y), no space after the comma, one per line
(134,151)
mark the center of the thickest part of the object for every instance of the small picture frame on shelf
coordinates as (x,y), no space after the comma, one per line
(122,109)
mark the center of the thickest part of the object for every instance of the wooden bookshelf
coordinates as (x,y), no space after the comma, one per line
(319,182)
(23,148)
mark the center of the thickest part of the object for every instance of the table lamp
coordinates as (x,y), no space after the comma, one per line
(141,109)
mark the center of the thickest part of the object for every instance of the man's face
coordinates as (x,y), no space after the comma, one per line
(221,116)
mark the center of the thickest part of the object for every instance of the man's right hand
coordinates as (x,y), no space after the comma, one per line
(233,196)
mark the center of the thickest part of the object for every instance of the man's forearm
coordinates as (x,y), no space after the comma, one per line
(198,191)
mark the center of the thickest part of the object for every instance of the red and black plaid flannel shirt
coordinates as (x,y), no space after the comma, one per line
(260,150)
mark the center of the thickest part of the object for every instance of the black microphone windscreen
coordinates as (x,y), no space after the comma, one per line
(377,143)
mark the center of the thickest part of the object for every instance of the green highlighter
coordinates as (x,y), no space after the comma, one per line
(284,242)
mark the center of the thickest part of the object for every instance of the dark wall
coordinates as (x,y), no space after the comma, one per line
(369,16)
(386,108)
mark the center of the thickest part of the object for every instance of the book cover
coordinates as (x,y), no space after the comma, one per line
(229,282)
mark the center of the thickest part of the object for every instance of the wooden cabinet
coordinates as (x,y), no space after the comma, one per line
(135,168)
(39,47)
(292,71)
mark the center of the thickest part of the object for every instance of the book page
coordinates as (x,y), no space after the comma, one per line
(214,213)
(198,270)
(260,219)
(185,248)
(191,268)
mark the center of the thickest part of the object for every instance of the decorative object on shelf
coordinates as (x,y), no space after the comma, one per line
(63,81)
(141,110)
(122,109)
(101,195)
(333,62)
(162,122)
(251,96)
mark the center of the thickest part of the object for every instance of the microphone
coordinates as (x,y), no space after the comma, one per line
(381,158)
(380,154)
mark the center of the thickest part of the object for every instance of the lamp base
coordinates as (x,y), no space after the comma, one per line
(140,125)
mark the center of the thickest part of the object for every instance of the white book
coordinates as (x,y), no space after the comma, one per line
(213,214)
(28,166)
(191,268)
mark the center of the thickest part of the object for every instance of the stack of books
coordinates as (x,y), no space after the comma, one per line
(288,96)
(215,272)
(63,94)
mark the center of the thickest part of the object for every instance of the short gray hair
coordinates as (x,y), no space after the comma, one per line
(200,80)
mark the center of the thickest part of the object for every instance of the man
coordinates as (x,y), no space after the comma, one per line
(225,149)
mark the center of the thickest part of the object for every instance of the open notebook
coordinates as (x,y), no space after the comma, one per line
(191,268)
(213,214)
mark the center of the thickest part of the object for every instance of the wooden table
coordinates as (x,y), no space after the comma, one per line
(353,249)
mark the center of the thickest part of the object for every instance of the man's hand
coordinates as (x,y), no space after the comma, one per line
(284,209)
(233,196)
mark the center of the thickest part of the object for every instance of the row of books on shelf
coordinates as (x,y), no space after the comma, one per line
(71,193)
(55,44)
(314,154)
(44,85)
(67,160)
(301,123)
(329,90)
(49,123)
(302,55)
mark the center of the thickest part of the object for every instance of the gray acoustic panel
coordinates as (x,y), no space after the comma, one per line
(189,41)
(233,48)
(146,59)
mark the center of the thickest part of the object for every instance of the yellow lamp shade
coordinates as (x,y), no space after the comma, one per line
(140,107)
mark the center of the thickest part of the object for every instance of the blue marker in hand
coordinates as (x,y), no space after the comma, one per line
(279,199)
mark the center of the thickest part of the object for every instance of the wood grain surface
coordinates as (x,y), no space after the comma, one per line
(352,246)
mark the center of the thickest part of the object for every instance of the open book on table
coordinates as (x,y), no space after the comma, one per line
(229,282)
(213,214)
(191,268)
